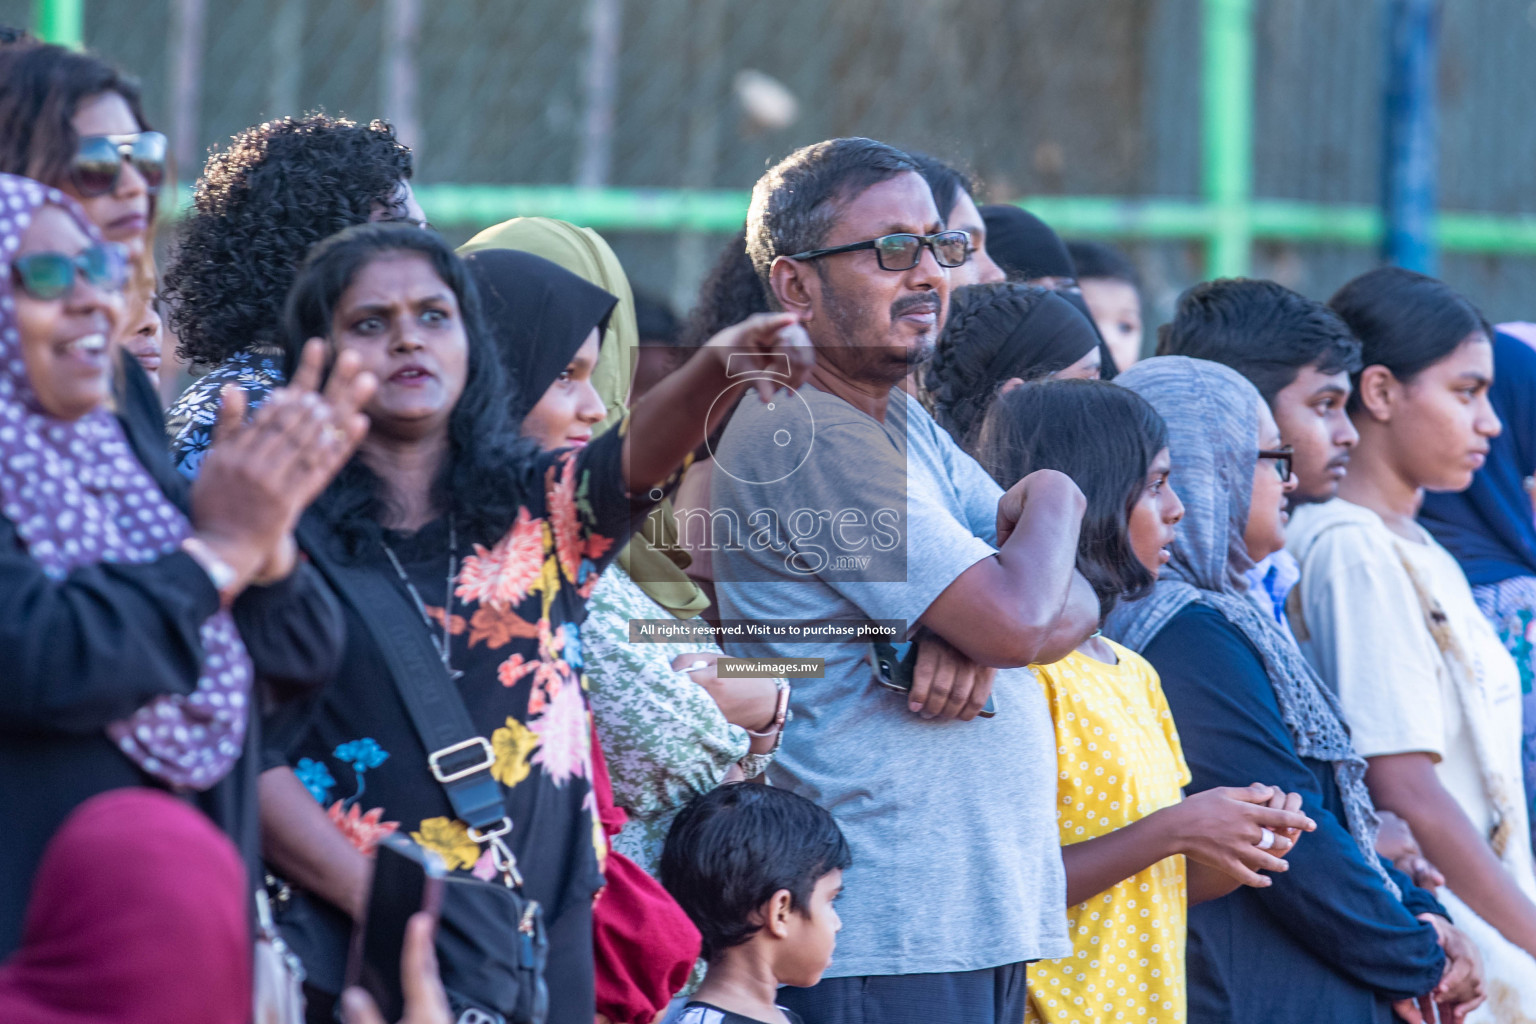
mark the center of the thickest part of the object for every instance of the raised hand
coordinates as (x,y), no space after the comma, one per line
(773,343)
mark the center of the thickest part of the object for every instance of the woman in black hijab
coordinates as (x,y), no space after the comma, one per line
(1029,250)
(543,319)
(995,337)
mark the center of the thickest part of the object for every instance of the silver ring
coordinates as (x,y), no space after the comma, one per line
(1267,839)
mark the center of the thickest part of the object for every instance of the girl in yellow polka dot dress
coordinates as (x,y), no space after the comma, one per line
(1135,851)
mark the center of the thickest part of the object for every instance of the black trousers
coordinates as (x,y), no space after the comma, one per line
(993,995)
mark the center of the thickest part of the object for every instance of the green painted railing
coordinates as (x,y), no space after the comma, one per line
(1110,217)
(1271,220)
(59,21)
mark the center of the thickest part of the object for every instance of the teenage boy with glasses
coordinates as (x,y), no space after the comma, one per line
(863,508)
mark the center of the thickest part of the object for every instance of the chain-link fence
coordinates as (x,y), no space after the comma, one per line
(1040,97)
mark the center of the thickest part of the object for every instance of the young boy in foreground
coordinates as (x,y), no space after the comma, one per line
(757,869)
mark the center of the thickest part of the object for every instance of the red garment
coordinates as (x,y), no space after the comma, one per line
(645,945)
(138,916)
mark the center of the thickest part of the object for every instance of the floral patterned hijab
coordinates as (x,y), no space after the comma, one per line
(77,495)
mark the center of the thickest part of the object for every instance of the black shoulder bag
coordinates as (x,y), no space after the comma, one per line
(491,944)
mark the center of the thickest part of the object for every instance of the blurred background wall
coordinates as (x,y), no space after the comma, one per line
(1041,98)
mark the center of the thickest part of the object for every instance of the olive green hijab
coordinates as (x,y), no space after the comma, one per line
(583,252)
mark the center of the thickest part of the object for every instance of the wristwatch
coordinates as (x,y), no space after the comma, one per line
(220,572)
(780,717)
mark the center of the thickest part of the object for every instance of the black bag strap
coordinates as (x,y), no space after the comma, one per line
(459,758)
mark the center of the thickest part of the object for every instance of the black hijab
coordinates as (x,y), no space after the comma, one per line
(1024,245)
(539,313)
(1027,248)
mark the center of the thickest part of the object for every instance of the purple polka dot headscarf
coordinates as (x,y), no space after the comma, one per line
(78,496)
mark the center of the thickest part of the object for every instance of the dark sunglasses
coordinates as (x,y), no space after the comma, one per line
(901,252)
(51,275)
(98,162)
(1283,458)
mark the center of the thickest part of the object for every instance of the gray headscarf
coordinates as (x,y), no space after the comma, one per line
(1212,413)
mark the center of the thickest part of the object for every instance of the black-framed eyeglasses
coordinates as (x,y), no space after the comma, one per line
(51,275)
(98,161)
(902,251)
(1283,457)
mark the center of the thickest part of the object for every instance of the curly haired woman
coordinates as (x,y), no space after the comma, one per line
(278,189)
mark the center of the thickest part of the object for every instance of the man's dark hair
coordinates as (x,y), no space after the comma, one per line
(796,202)
(1097,260)
(732,848)
(481,481)
(945,181)
(1405,321)
(1102,436)
(1264,331)
(41,86)
(278,189)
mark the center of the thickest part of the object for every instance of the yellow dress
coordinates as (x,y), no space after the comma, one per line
(1118,759)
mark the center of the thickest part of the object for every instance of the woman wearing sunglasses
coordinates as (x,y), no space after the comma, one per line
(72,121)
(136,615)
(1389,620)
(1344,933)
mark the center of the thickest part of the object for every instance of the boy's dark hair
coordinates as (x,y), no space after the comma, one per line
(796,201)
(1262,330)
(1102,436)
(1097,260)
(945,181)
(1405,321)
(732,848)
(259,206)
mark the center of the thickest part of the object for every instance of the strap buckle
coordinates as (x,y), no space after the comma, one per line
(487,759)
(502,857)
(495,831)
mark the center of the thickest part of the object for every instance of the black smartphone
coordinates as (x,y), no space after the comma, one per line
(893,665)
(407,879)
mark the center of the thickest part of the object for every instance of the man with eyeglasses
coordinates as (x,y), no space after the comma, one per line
(857,507)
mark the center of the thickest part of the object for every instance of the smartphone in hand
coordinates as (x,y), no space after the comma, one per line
(893,665)
(407,879)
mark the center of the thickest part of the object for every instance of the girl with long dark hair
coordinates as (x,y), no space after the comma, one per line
(1129,839)
(1389,621)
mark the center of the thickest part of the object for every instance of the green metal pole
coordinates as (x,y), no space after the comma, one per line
(1226,132)
(60,21)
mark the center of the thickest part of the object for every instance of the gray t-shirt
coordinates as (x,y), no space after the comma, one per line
(956,864)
